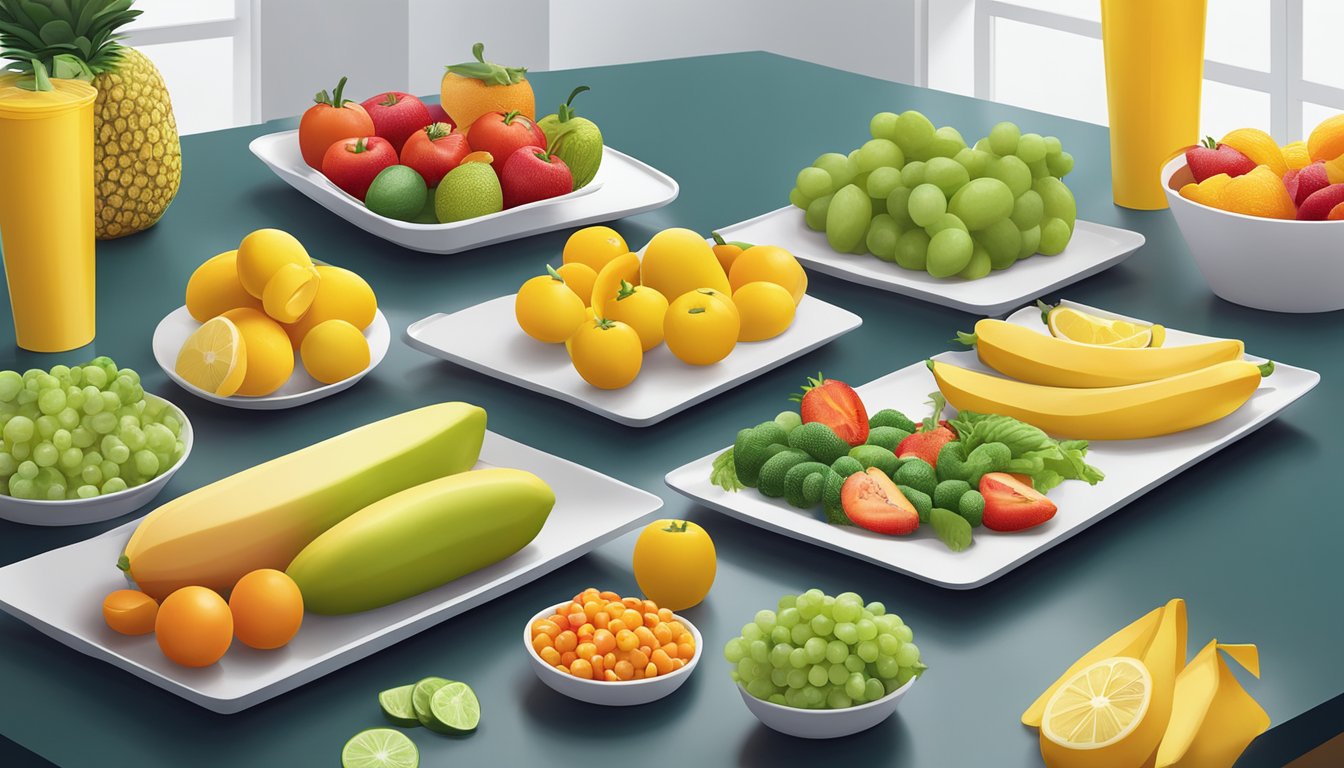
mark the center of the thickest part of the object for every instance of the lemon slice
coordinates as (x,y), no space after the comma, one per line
(1071,324)
(1089,719)
(214,358)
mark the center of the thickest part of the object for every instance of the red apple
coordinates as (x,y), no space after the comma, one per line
(531,174)
(396,116)
(503,134)
(351,164)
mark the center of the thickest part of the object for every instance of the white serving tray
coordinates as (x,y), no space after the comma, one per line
(1094,247)
(1132,467)
(61,592)
(486,338)
(623,186)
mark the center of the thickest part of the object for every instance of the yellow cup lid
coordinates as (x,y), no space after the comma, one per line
(22,104)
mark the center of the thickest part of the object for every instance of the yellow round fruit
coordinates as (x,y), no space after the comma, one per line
(334,351)
(641,308)
(678,261)
(623,268)
(771,264)
(594,246)
(580,278)
(1098,718)
(270,357)
(606,353)
(701,327)
(214,288)
(547,309)
(766,309)
(341,295)
(290,292)
(674,563)
(262,253)
(214,357)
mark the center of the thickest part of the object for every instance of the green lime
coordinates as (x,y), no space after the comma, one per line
(397,192)
(420,696)
(455,709)
(398,707)
(468,191)
(380,748)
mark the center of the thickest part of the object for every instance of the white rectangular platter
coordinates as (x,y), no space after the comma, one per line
(60,593)
(1094,247)
(486,338)
(1132,467)
(623,186)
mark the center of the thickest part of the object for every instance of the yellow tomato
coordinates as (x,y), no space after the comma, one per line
(641,308)
(594,246)
(546,308)
(771,264)
(701,327)
(725,252)
(606,353)
(767,310)
(674,563)
(588,317)
(580,278)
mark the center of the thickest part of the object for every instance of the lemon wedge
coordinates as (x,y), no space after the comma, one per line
(1075,325)
(214,357)
(1089,720)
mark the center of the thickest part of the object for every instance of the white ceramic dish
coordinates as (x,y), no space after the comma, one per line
(99,508)
(1094,247)
(623,186)
(59,593)
(173,330)
(486,338)
(1132,467)
(619,694)
(1274,264)
(824,723)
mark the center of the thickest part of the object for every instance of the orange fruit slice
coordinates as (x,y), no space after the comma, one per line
(1206,192)
(1336,213)
(1260,147)
(1296,155)
(214,358)
(1326,141)
(1258,193)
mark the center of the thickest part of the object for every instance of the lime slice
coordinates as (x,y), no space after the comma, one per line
(397,706)
(455,709)
(420,696)
(380,748)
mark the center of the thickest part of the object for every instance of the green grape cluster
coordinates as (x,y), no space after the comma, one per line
(822,652)
(919,197)
(83,431)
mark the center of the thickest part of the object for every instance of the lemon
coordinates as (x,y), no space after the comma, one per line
(334,351)
(214,288)
(270,358)
(1071,324)
(341,295)
(289,293)
(262,253)
(766,309)
(214,358)
(594,246)
(771,264)
(1095,718)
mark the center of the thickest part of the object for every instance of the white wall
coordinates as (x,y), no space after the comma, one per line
(516,33)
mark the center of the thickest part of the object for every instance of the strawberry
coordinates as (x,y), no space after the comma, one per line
(1303,183)
(1011,505)
(835,404)
(873,502)
(1319,204)
(396,116)
(1211,158)
(532,174)
(351,164)
(434,151)
(932,435)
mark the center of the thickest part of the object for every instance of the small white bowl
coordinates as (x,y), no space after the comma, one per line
(98,508)
(1275,264)
(824,723)
(626,693)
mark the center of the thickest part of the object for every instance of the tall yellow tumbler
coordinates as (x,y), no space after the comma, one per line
(1154,73)
(46,211)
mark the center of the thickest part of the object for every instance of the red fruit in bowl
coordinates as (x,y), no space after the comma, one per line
(531,174)
(1011,505)
(351,164)
(873,502)
(434,150)
(1321,202)
(1304,182)
(437,115)
(1211,158)
(396,116)
(835,404)
(504,134)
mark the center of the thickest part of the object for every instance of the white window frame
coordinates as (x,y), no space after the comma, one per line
(1284,82)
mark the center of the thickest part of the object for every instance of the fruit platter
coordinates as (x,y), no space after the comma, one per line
(931,498)
(917,211)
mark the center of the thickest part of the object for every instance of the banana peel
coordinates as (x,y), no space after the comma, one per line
(1213,718)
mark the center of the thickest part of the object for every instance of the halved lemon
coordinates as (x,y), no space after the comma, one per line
(1089,721)
(1074,325)
(214,358)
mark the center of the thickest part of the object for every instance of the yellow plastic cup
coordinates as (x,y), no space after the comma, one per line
(46,212)
(1154,73)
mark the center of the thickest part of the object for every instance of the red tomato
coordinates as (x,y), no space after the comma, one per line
(351,164)
(434,151)
(503,134)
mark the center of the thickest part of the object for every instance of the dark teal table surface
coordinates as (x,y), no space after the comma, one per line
(1250,537)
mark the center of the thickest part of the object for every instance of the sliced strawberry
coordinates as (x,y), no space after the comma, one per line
(873,502)
(835,404)
(1211,158)
(926,445)
(1011,505)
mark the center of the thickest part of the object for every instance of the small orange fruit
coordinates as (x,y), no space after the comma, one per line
(1207,191)
(1258,193)
(267,609)
(1296,155)
(130,612)
(1260,147)
(1336,213)
(579,277)
(1326,141)
(194,627)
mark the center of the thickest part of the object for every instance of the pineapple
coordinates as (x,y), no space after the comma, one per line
(137,156)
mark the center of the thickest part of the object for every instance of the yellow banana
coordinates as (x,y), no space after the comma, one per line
(1129,412)
(1213,718)
(1037,358)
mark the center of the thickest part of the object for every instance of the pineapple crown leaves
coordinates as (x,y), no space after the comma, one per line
(486,72)
(72,38)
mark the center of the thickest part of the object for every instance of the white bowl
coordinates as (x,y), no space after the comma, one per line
(625,693)
(98,508)
(1274,264)
(824,723)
